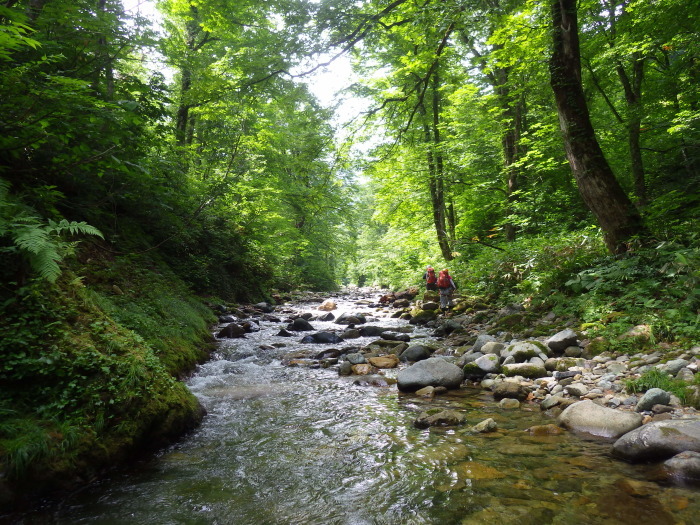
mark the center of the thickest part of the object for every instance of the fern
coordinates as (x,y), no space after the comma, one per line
(40,243)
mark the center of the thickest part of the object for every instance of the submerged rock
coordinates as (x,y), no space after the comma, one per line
(444,418)
(684,466)
(587,416)
(659,440)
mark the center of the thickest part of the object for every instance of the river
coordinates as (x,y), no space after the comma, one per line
(295,445)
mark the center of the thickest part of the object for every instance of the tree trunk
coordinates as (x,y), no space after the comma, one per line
(437,197)
(633,97)
(600,190)
(448,212)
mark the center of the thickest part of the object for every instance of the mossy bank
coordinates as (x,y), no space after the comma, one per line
(90,371)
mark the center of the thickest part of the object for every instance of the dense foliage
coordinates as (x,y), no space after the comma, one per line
(141,167)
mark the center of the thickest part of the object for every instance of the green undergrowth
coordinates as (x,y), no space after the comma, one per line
(657,285)
(656,378)
(89,369)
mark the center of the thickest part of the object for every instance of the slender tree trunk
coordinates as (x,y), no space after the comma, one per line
(437,197)
(512,127)
(599,188)
(633,97)
(184,123)
(440,175)
(183,109)
(511,153)
(103,66)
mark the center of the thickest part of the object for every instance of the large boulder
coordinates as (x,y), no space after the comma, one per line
(587,416)
(430,372)
(659,440)
(684,466)
(562,340)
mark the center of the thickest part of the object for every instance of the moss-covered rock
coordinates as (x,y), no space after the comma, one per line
(90,375)
(529,370)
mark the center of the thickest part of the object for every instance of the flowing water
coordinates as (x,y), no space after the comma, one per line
(284,445)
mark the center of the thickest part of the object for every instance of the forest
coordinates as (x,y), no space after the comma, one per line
(547,152)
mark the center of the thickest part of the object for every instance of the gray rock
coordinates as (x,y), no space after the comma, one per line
(300,325)
(587,416)
(550,401)
(577,389)
(509,403)
(356,358)
(351,333)
(510,389)
(481,340)
(487,425)
(560,341)
(469,357)
(395,336)
(328,338)
(492,347)
(488,363)
(522,351)
(532,371)
(673,367)
(616,368)
(659,440)
(232,330)
(684,466)
(415,353)
(372,331)
(573,351)
(430,372)
(686,374)
(653,396)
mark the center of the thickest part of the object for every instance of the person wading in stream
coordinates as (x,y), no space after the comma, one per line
(430,278)
(446,285)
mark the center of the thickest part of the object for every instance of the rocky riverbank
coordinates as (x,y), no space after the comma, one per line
(582,388)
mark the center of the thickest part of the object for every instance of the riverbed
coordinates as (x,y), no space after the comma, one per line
(300,445)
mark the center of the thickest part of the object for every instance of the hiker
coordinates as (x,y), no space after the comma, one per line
(445,284)
(430,278)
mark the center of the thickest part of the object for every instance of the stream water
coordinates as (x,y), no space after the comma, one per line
(284,445)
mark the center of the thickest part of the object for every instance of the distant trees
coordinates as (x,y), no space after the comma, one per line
(490,65)
(222,163)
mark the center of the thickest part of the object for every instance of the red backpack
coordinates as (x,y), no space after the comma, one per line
(444,280)
(431,277)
